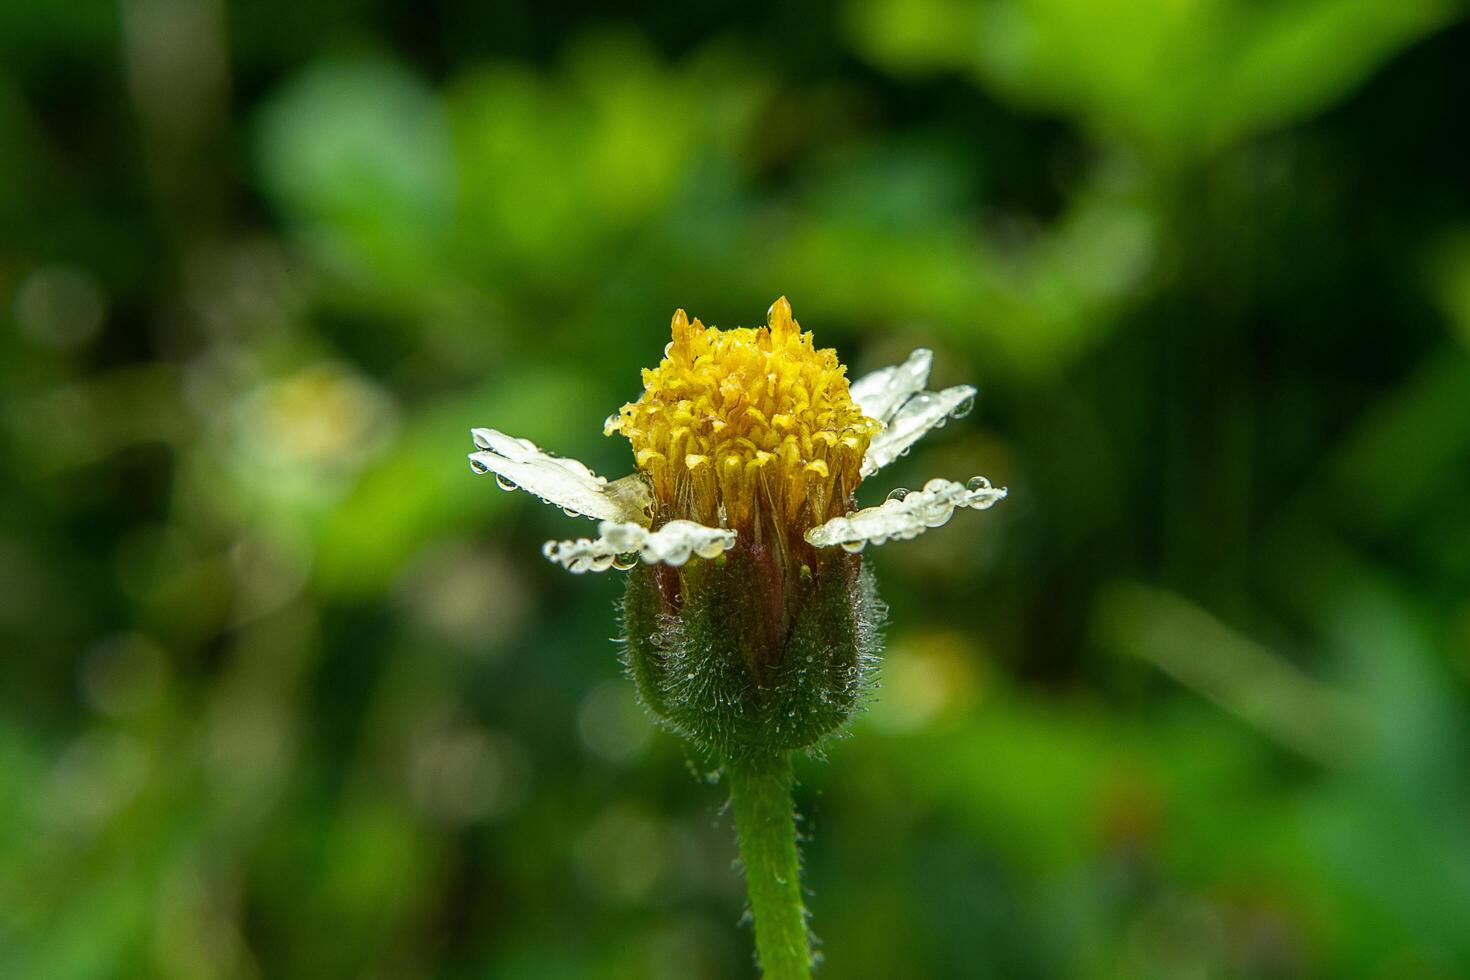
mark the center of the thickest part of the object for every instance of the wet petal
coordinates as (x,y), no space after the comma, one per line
(619,543)
(908,423)
(880,394)
(558,480)
(905,516)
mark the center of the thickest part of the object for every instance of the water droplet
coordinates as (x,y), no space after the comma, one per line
(565,510)
(853,547)
(964,408)
(503,483)
(898,493)
(610,424)
(668,348)
(478,466)
(977,483)
(624,562)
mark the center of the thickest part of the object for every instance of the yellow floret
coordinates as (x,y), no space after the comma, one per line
(753,427)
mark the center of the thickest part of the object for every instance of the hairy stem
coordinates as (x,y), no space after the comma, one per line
(760,791)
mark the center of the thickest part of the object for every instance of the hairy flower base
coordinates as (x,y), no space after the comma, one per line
(742,663)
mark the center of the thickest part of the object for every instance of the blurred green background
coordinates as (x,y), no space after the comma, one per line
(287,692)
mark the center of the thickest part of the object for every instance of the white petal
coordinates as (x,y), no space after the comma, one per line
(909,422)
(907,516)
(557,480)
(672,544)
(881,393)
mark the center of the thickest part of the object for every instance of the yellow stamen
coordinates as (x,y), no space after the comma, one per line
(765,409)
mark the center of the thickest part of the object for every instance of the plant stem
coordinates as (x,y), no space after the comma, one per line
(765,822)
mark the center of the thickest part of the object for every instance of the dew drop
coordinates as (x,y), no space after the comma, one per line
(853,547)
(478,466)
(624,562)
(503,483)
(565,510)
(610,424)
(898,493)
(977,483)
(963,408)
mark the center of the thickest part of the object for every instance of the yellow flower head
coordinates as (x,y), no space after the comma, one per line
(752,440)
(751,428)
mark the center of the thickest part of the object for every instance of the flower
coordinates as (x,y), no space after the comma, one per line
(752,432)
(751,622)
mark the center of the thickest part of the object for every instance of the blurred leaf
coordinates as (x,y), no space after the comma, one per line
(423,488)
(552,170)
(1179,78)
(357,153)
(1240,675)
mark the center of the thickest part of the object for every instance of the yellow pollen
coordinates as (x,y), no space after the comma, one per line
(748,427)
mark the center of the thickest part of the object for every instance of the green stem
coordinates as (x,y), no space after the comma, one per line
(760,791)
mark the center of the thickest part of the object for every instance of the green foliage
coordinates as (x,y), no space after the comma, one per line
(1179,77)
